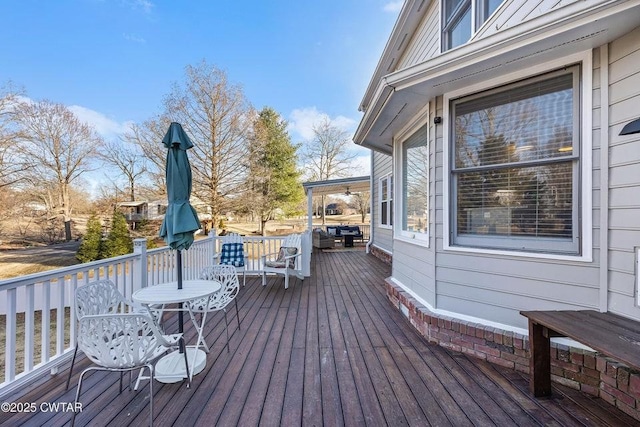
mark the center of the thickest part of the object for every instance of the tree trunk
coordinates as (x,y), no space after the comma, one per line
(67,230)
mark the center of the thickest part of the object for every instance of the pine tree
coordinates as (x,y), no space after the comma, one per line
(274,179)
(91,242)
(119,241)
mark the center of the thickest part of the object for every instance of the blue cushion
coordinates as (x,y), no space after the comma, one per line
(232,254)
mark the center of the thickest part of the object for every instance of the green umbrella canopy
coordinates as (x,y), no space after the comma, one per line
(181,219)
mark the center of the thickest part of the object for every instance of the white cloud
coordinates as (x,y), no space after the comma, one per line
(106,127)
(134,38)
(393,6)
(145,5)
(302,120)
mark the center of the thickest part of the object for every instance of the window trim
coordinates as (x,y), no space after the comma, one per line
(586,112)
(388,178)
(422,239)
(477,23)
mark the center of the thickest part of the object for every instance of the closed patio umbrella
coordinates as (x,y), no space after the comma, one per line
(181,219)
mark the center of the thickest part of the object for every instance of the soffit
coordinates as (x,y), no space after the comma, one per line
(401,95)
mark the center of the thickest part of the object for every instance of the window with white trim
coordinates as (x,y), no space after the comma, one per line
(415,185)
(386,200)
(516,166)
(462,18)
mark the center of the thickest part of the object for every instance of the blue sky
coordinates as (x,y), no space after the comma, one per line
(113,61)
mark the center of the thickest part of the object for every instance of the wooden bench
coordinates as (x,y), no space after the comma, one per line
(609,334)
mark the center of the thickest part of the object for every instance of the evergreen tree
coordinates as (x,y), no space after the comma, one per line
(119,241)
(274,179)
(91,242)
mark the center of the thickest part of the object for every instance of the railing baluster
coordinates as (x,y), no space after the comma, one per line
(46,321)
(72,311)
(10,355)
(29,326)
(60,316)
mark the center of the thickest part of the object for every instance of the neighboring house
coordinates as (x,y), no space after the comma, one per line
(500,180)
(333,209)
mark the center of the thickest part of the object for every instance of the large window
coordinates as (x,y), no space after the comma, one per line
(461,18)
(515,166)
(386,201)
(415,184)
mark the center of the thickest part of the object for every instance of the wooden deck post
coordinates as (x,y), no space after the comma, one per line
(540,364)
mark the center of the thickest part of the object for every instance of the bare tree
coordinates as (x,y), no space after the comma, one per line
(58,147)
(148,137)
(361,203)
(327,155)
(11,166)
(218,118)
(128,159)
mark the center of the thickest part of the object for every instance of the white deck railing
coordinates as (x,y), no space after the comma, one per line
(29,352)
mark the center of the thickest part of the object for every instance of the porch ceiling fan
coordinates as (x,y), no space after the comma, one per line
(347,193)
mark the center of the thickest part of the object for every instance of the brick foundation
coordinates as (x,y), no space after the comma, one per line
(380,254)
(582,370)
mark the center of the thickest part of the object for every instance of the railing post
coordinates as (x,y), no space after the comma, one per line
(140,268)
(306,253)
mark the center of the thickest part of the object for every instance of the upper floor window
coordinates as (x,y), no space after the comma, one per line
(386,200)
(516,166)
(462,18)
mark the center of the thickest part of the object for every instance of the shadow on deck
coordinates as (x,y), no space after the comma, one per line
(329,351)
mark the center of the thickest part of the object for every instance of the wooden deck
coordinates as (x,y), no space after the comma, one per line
(329,351)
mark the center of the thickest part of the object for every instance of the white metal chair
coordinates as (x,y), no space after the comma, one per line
(103,297)
(232,253)
(99,297)
(228,278)
(285,262)
(123,342)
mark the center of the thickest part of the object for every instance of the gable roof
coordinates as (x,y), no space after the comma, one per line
(392,100)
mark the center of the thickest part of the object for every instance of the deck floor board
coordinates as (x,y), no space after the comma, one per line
(331,350)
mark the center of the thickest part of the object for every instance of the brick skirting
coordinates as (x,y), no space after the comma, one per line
(380,254)
(579,369)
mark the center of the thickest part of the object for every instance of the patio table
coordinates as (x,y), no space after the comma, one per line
(171,368)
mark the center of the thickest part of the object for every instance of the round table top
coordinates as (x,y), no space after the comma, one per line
(168,293)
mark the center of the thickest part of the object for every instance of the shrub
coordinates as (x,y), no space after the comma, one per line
(91,245)
(118,241)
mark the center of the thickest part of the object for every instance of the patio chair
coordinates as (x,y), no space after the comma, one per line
(232,253)
(228,278)
(286,261)
(123,343)
(102,297)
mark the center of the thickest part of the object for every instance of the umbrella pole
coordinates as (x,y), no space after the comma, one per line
(180,314)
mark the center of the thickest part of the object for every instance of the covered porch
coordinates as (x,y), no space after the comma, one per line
(331,350)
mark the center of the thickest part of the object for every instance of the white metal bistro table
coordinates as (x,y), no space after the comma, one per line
(171,368)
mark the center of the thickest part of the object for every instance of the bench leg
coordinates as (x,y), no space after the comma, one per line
(540,365)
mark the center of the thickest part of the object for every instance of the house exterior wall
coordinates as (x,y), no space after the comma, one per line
(469,299)
(624,174)
(425,43)
(382,237)
(496,287)
(514,12)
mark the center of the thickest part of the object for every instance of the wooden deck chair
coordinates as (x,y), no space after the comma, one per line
(287,261)
(232,253)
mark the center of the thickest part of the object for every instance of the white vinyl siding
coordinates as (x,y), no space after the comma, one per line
(624,179)
(425,43)
(381,236)
(512,13)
